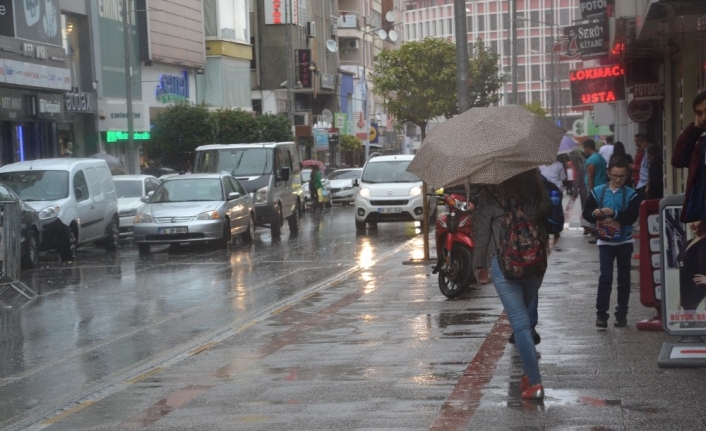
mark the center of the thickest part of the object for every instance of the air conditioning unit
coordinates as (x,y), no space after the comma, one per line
(334,29)
(301,118)
(311,29)
(352,44)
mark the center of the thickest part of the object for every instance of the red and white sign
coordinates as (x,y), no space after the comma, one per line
(282,11)
(640,111)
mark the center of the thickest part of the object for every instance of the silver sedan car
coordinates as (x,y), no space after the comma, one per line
(195,208)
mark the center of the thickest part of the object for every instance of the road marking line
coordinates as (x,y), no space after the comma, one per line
(64,414)
(144,375)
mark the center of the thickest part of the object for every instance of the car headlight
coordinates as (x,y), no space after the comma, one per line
(50,212)
(261,194)
(143,218)
(364,192)
(208,215)
(415,191)
(127,213)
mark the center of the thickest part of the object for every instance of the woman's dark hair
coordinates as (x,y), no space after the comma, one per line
(653,150)
(315,168)
(617,162)
(527,188)
(700,98)
(619,150)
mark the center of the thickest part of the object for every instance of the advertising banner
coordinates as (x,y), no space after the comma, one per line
(112,47)
(360,126)
(341,123)
(303,63)
(7,21)
(587,40)
(602,84)
(596,8)
(113,115)
(34,75)
(281,11)
(684,271)
(38,21)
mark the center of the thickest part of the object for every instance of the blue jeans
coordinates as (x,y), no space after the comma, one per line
(607,254)
(516,297)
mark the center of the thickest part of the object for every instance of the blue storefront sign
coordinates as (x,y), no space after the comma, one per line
(173,88)
(321,139)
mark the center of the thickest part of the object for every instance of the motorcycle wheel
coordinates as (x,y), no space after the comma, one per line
(454,281)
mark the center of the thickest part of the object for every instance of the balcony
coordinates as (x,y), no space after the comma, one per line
(350,24)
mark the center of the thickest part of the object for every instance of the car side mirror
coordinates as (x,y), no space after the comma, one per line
(78,193)
(356,183)
(145,199)
(284,174)
(233,195)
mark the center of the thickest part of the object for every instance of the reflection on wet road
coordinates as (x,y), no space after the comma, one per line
(107,314)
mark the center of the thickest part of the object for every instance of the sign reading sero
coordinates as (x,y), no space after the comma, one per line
(602,84)
(587,40)
(640,111)
(118,135)
(172,88)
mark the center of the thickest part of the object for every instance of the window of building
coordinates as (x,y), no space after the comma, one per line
(494,45)
(536,97)
(469,24)
(564,17)
(450,26)
(521,23)
(535,21)
(426,29)
(521,47)
(548,17)
(536,71)
(521,74)
(506,47)
(522,98)
(535,45)
(433,29)
(407,34)
(493,22)
(506,21)
(481,22)
(227,19)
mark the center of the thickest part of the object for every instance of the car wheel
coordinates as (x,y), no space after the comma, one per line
(359,225)
(143,248)
(31,258)
(225,239)
(112,238)
(249,234)
(294,220)
(276,222)
(68,249)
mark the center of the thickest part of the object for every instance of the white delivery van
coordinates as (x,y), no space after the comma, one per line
(270,172)
(75,198)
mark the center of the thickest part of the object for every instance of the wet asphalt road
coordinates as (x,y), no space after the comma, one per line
(106,315)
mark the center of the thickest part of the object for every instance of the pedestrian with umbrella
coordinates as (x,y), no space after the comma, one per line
(501,147)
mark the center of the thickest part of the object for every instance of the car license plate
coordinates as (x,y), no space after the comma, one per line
(172,230)
(389,210)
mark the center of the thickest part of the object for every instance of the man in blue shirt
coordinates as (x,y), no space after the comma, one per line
(596,167)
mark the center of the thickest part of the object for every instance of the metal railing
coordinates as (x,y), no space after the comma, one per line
(10,251)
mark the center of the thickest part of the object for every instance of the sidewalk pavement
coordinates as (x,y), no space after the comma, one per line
(382,349)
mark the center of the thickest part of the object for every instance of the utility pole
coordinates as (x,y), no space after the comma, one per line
(128,92)
(461,55)
(553,75)
(513,20)
(290,67)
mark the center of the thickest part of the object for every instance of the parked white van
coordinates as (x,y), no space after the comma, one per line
(270,172)
(75,198)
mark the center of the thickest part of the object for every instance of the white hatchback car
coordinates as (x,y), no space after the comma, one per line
(388,193)
(130,188)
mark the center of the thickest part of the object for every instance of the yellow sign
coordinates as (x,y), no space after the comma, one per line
(373,134)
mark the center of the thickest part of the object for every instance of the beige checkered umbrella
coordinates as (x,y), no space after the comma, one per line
(486,146)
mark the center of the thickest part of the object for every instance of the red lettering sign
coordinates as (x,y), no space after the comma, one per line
(603,84)
(276,14)
(596,73)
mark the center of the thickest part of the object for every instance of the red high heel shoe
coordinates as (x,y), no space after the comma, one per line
(535,392)
(524,383)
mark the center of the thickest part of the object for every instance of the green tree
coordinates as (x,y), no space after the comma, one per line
(177,132)
(351,146)
(484,78)
(236,126)
(536,107)
(274,128)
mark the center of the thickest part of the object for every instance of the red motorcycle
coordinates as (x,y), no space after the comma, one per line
(454,246)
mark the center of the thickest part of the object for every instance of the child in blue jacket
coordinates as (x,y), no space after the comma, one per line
(614,202)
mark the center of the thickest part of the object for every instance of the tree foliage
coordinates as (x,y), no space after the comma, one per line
(178,131)
(274,128)
(536,107)
(418,81)
(236,126)
(350,143)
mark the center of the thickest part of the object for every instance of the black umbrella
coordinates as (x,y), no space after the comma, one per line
(115,164)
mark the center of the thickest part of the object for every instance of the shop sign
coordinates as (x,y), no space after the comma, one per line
(173,88)
(587,40)
(303,62)
(49,106)
(340,120)
(7,22)
(11,105)
(34,75)
(648,91)
(281,11)
(112,136)
(595,8)
(640,111)
(112,115)
(603,84)
(35,51)
(321,139)
(38,21)
(78,102)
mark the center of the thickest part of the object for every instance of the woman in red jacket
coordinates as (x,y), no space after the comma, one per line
(690,152)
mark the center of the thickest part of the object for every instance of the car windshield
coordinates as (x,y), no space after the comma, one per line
(198,189)
(128,188)
(38,185)
(391,171)
(242,162)
(343,174)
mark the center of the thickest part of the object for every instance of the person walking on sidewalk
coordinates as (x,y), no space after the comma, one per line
(527,192)
(314,186)
(690,152)
(614,208)
(595,175)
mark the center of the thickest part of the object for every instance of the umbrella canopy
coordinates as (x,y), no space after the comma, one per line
(113,162)
(567,145)
(310,163)
(486,146)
